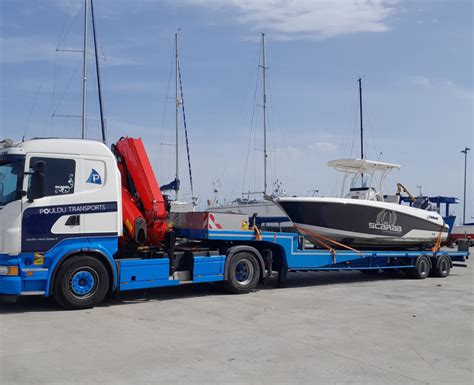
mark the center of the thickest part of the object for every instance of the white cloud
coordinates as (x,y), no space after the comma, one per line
(443,86)
(421,81)
(323,146)
(314,19)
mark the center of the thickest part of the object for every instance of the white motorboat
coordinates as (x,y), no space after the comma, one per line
(364,216)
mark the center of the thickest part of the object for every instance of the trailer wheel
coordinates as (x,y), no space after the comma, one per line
(82,282)
(422,268)
(243,274)
(442,266)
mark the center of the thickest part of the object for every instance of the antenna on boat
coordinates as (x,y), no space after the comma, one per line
(264,106)
(466,149)
(361,128)
(84,75)
(178,103)
(99,90)
(361,120)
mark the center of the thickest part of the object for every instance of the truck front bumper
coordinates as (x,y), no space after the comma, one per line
(10,277)
(10,285)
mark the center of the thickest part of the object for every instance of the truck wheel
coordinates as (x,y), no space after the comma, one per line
(442,266)
(422,268)
(82,282)
(243,274)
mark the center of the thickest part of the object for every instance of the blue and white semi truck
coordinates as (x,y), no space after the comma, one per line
(63,234)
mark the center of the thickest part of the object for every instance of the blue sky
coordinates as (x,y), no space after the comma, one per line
(416,58)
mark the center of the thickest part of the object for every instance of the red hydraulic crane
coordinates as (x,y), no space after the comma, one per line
(143,205)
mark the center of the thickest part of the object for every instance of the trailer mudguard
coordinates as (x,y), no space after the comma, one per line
(236,249)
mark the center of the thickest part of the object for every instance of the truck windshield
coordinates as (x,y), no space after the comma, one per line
(11,178)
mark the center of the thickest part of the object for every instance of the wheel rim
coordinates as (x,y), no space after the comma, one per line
(244,272)
(423,267)
(83,282)
(443,266)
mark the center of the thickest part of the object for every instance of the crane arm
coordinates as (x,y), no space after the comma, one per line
(144,207)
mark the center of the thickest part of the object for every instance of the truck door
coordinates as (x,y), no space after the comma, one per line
(48,220)
(11,185)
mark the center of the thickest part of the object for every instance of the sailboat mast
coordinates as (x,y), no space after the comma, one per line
(178,102)
(84,75)
(361,120)
(97,69)
(264,105)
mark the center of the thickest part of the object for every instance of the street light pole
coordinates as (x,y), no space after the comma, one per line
(466,149)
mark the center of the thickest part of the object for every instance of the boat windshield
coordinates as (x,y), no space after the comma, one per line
(11,179)
(361,181)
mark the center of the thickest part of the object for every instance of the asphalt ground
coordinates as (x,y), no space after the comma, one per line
(324,328)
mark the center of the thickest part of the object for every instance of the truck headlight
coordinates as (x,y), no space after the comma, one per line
(8,270)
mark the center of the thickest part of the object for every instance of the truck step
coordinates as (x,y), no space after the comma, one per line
(182,276)
(37,292)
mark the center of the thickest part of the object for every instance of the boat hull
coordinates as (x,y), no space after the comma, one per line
(267,212)
(364,223)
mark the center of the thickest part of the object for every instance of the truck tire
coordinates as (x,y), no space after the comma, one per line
(422,268)
(243,273)
(442,267)
(81,282)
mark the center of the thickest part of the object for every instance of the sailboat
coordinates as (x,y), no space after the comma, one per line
(177,205)
(84,51)
(364,216)
(261,207)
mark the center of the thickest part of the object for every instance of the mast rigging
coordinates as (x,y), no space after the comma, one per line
(84,74)
(97,70)
(264,106)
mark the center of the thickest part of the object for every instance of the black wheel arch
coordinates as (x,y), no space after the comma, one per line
(96,253)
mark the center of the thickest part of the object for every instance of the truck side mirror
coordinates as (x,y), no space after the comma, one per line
(37,182)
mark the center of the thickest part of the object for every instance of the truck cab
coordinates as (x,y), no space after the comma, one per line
(69,211)
(53,193)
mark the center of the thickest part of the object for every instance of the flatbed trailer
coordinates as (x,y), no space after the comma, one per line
(239,259)
(285,252)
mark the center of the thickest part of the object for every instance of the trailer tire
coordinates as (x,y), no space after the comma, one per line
(243,273)
(442,267)
(422,268)
(81,282)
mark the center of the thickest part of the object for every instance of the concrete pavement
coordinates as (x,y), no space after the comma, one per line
(325,328)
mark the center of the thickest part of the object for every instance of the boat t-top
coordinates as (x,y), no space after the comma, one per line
(364,172)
